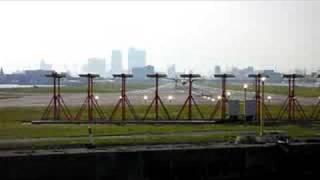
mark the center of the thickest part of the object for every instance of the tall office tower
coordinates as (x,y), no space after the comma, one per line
(217,69)
(172,71)
(116,62)
(45,66)
(136,58)
(97,66)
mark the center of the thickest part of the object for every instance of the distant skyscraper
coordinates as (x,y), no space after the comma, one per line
(1,72)
(97,66)
(217,70)
(116,62)
(45,66)
(172,71)
(136,58)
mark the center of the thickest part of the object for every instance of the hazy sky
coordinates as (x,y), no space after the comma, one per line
(193,35)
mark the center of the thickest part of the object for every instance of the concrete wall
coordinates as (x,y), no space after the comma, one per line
(226,162)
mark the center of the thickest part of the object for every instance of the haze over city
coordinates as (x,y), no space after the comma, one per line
(280,35)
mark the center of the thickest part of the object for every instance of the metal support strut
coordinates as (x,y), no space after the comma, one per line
(190,98)
(90,102)
(316,110)
(157,98)
(56,103)
(259,96)
(222,102)
(124,100)
(291,104)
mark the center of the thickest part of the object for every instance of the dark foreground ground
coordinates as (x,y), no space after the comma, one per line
(184,161)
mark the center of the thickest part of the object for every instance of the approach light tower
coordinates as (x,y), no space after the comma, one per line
(123,99)
(291,104)
(316,111)
(190,98)
(157,98)
(56,103)
(90,102)
(259,90)
(222,102)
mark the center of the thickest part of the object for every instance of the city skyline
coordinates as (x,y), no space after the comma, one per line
(115,65)
(99,66)
(193,35)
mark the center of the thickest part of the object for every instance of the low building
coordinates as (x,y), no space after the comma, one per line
(27,77)
(140,73)
(275,77)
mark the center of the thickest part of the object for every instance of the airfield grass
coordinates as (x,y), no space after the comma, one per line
(15,124)
(281,90)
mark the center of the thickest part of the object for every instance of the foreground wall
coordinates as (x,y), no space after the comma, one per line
(164,163)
